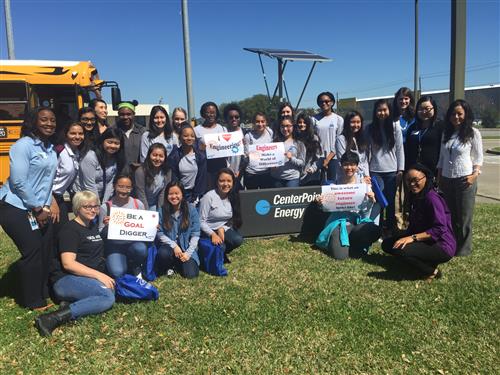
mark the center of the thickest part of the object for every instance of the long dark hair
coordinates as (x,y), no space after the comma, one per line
(350,136)
(119,156)
(409,112)
(387,126)
(234,197)
(465,130)
(313,147)
(91,136)
(61,137)
(148,167)
(28,129)
(168,209)
(423,99)
(154,130)
(429,182)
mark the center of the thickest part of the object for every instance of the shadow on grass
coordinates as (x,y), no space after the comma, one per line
(395,269)
(9,282)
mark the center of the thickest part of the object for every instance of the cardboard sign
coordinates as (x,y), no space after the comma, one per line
(266,155)
(221,145)
(343,197)
(132,225)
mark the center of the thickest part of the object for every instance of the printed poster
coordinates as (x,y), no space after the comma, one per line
(221,145)
(132,225)
(343,197)
(266,155)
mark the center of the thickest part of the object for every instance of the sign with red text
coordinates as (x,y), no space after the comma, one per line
(266,155)
(347,197)
(132,225)
(221,145)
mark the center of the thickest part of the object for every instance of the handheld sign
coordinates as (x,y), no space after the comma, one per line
(132,225)
(343,197)
(221,145)
(266,155)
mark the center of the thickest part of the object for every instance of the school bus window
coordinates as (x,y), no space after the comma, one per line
(12,100)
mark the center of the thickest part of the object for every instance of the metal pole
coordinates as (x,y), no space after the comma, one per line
(265,78)
(8,28)
(304,89)
(187,60)
(457,61)
(415,73)
(280,80)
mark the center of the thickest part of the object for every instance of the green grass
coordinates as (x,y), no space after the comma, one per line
(284,308)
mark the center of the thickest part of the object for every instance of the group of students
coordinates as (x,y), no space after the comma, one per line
(164,168)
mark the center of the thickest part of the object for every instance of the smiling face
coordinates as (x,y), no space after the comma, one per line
(160,119)
(101,111)
(260,124)
(126,117)
(45,125)
(88,120)
(178,117)
(188,137)
(349,169)
(325,103)
(111,145)
(301,125)
(425,111)
(210,115)
(457,117)
(355,124)
(123,187)
(415,181)
(286,128)
(403,102)
(89,210)
(286,111)
(75,136)
(382,111)
(233,119)
(174,196)
(157,157)
(224,183)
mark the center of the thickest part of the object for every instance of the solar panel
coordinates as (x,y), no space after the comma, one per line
(286,54)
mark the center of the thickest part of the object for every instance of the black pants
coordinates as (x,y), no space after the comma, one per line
(35,247)
(63,216)
(166,256)
(361,236)
(424,255)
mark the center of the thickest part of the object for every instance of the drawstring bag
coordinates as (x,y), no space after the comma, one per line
(131,287)
(148,271)
(211,257)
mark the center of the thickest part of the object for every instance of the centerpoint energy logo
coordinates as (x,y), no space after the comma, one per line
(286,206)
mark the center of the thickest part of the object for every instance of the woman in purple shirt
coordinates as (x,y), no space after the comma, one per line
(429,239)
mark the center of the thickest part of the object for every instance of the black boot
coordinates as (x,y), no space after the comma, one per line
(46,323)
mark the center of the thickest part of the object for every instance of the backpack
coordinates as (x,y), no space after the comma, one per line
(211,257)
(131,287)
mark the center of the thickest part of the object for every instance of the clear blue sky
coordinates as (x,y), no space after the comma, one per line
(139,44)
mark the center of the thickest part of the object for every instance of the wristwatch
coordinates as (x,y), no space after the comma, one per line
(414,237)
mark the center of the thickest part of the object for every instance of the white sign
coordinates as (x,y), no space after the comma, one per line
(221,145)
(347,197)
(132,225)
(266,155)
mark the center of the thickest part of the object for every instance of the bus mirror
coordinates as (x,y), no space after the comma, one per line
(116,97)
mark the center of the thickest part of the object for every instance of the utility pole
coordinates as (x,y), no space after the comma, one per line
(187,60)
(8,28)
(416,92)
(457,61)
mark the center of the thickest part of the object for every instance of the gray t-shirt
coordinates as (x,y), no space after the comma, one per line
(188,170)
(292,168)
(201,130)
(383,159)
(90,176)
(253,138)
(146,143)
(214,212)
(340,147)
(328,128)
(133,203)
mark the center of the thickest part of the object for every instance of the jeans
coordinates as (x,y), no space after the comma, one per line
(168,260)
(125,255)
(286,183)
(387,182)
(232,240)
(88,296)
(36,251)
(361,236)
(257,181)
(424,255)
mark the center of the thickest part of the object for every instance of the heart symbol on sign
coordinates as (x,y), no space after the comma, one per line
(226,137)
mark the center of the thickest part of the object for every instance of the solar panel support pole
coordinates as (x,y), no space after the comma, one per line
(187,60)
(280,80)
(457,61)
(305,86)
(415,73)
(264,75)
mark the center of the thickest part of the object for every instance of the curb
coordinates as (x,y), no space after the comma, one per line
(488,197)
(491,151)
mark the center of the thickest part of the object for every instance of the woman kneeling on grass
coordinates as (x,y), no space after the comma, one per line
(178,233)
(77,274)
(429,239)
(348,234)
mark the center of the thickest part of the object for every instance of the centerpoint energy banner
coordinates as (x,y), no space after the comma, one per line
(343,197)
(266,155)
(132,225)
(221,145)
(278,211)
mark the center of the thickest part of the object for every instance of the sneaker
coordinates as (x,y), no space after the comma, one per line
(139,276)
(170,272)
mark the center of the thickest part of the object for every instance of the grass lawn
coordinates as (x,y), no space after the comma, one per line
(284,308)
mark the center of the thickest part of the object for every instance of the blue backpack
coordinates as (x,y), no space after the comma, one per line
(148,270)
(211,257)
(131,287)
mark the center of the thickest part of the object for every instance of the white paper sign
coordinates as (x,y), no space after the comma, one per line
(343,197)
(266,155)
(221,145)
(132,225)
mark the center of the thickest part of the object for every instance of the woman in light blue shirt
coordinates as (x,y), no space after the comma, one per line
(24,204)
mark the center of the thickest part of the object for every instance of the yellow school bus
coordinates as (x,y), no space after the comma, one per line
(65,86)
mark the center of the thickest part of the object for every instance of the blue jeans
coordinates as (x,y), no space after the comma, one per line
(232,240)
(88,296)
(286,183)
(387,182)
(189,269)
(124,255)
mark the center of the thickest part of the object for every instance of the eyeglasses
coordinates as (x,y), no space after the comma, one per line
(324,101)
(91,207)
(88,120)
(234,117)
(426,110)
(123,187)
(286,126)
(415,181)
